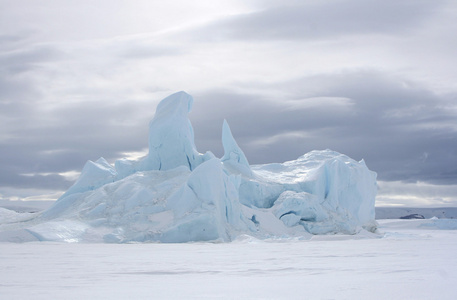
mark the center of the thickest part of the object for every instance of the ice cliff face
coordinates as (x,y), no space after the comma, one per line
(176,194)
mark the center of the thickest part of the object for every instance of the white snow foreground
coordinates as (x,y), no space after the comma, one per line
(176,194)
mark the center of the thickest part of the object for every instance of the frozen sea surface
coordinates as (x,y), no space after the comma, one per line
(412,259)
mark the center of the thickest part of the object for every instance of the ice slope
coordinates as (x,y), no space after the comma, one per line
(176,194)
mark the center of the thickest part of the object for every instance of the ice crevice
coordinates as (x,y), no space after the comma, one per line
(177,194)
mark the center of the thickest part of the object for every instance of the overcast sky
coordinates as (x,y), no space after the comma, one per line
(371,79)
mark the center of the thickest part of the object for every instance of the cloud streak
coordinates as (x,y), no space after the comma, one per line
(323,20)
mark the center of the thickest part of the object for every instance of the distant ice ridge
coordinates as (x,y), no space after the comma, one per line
(176,194)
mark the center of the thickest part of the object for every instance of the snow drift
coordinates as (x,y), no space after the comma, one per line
(176,194)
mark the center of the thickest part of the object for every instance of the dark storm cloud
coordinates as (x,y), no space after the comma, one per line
(404,132)
(329,19)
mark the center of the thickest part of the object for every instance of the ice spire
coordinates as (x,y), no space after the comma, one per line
(233,158)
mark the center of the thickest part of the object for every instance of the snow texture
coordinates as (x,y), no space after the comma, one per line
(176,194)
(408,260)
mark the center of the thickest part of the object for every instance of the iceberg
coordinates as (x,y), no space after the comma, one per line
(176,194)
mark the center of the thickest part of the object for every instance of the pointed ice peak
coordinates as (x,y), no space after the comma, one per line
(234,157)
(93,175)
(101,162)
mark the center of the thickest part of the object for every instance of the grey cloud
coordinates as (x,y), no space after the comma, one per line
(404,132)
(9,42)
(42,182)
(146,49)
(416,193)
(146,52)
(63,139)
(10,39)
(18,88)
(25,59)
(15,93)
(36,137)
(316,20)
(101,124)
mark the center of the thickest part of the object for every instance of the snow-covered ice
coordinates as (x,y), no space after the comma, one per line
(176,194)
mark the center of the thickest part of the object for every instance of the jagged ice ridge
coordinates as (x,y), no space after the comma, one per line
(176,194)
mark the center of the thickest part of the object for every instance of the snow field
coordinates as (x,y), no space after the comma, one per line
(408,261)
